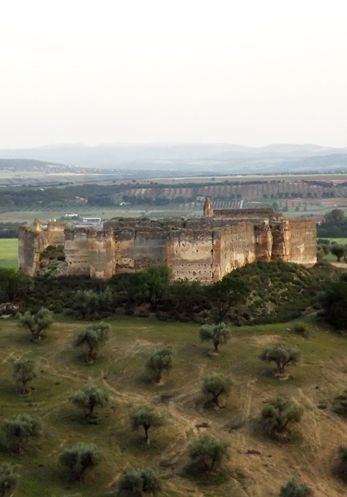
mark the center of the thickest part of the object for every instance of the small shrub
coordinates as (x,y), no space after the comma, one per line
(8,479)
(207,453)
(89,397)
(23,373)
(78,459)
(18,430)
(295,489)
(37,323)
(279,415)
(158,362)
(145,417)
(92,338)
(136,483)
(218,334)
(281,355)
(216,385)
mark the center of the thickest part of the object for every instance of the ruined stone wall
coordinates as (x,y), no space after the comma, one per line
(201,249)
(101,254)
(76,252)
(263,242)
(190,255)
(237,247)
(303,243)
(263,213)
(281,245)
(33,240)
(137,249)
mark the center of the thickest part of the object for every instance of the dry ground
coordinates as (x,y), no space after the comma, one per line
(257,467)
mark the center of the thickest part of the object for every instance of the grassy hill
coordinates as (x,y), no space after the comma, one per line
(257,467)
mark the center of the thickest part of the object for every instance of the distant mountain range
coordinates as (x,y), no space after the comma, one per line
(179,158)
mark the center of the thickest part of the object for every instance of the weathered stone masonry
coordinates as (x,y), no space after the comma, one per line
(203,249)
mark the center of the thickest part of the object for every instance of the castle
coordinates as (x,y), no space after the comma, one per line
(204,249)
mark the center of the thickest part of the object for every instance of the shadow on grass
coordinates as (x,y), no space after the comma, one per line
(258,431)
(201,477)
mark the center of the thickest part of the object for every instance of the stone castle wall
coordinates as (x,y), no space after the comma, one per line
(204,249)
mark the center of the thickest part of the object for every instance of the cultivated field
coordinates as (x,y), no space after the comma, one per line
(8,252)
(257,467)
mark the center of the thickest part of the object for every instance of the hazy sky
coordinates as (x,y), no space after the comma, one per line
(108,71)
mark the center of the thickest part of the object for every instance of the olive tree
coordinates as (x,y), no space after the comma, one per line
(136,483)
(278,415)
(8,479)
(295,489)
(218,334)
(23,373)
(158,362)
(208,453)
(338,251)
(216,385)
(145,417)
(79,458)
(18,430)
(92,338)
(37,323)
(281,355)
(89,397)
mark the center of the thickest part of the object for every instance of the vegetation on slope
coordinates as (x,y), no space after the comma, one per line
(197,448)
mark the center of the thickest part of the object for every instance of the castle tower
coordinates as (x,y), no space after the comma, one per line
(208,207)
(36,226)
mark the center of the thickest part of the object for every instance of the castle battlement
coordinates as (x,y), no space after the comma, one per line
(203,249)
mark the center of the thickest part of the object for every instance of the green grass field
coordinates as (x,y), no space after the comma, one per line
(256,467)
(8,253)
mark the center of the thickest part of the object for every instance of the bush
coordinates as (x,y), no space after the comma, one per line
(92,338)
(18,430)
(342,463)
(216,385)
(8,479)
(295,489)
(89,397)
(136,483)
(37,323)
(334,303)
(208,453)
(340,404)
(158,362)
(23,373)
(281,355)
(218,334)
(279,415)
(78,459)
(145,417)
